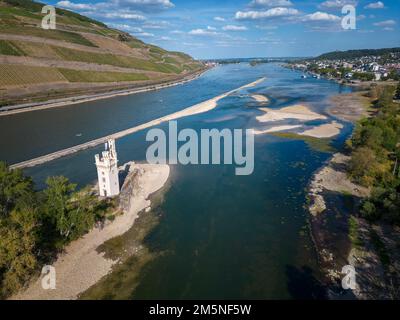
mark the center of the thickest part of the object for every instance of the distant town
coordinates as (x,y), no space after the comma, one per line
(353,66)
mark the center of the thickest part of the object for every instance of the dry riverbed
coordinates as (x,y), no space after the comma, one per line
(350,106)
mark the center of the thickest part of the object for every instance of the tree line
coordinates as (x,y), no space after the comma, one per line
(36,225)
(353,54)
(375,156)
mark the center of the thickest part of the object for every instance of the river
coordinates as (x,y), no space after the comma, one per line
(221,235)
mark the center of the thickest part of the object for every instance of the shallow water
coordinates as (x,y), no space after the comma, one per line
(224,236)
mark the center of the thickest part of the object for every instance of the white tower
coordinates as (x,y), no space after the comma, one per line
(107,170)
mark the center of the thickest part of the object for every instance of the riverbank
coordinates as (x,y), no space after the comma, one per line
(342,237)
(81,265)
(195,109)
(333,198)
(349,107)
(340,234)
(55,103)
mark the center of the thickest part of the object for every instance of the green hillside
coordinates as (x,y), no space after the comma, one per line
(81,55)
(353,54)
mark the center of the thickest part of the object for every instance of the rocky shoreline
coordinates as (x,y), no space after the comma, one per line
(341,237)
(329,190)
(333,204)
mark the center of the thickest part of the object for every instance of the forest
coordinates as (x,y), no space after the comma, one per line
(36,225)
(353,54)
(375,156)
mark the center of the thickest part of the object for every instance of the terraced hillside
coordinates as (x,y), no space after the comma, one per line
(81,56)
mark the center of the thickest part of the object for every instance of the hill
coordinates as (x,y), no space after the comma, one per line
(353,54)
(81,56)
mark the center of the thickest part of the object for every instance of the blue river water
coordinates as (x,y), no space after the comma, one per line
(226,236)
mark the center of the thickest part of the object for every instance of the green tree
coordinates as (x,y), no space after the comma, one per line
(15,189)
(34,225)
(397,95)
(57,204)
(72,213)
(18,239)
(376,156)
(82,214)
(362,165)
(368,211)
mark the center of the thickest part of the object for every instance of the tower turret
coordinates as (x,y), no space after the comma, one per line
(107,170)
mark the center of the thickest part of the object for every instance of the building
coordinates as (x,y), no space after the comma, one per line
(107,170)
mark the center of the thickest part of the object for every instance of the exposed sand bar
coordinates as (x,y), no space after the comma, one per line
(196,109)
(81,266)
(327,130)
(276,129)
(260,98)
(299,112)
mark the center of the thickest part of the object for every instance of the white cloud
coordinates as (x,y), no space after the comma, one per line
(123,15)
(234,28)
(177,32)
(147,5)
(120,5)
(320,16)
(335,4)
(156,25)
(193,44)
(211,28)
(270,13)
(125,27)
(202,32)
(388,29)
(375,5)
(266,27)
(365,31)
(220,19)
(271,3)
(144,35)
(386,23)
(75,6)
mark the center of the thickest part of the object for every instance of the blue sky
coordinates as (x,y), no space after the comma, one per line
(248,28)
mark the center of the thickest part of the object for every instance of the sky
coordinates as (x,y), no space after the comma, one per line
(248,28)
